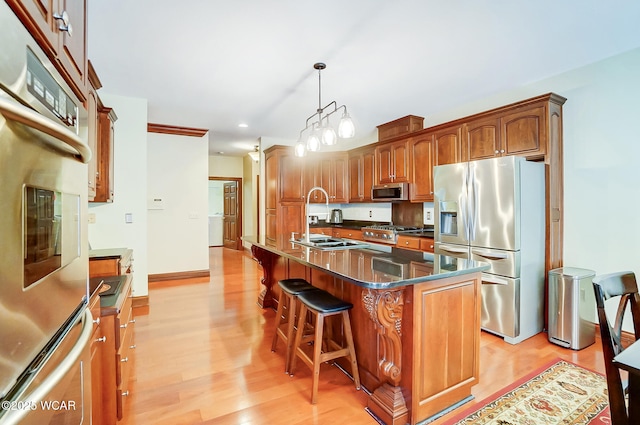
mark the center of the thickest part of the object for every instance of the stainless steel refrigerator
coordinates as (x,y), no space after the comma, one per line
(492,210)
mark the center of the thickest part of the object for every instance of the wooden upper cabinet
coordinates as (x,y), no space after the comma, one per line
(92,140)
(330,172)
(104,179)
(482,138)
(523,132)
(361,174)
(448,145)
(72,50)
(67,52)
(291,178)
(421,160)
(392,162)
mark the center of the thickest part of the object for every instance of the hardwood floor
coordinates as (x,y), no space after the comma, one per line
(204,356)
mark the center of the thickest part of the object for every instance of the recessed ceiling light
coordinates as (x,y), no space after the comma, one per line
(243,125)
(219,152)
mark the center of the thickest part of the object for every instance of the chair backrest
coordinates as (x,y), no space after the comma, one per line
(608,286)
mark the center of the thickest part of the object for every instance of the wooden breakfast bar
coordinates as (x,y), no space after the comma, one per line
(415,320)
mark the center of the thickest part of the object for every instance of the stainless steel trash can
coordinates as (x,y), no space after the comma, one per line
(571,307)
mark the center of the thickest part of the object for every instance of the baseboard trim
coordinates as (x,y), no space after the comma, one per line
(194,274)
(142,301)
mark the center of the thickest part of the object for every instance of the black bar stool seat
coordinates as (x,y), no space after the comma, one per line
(322,304)
(286,314)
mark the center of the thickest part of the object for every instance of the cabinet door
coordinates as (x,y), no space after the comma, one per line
(92,139)
(369,173)
(356,178)
(340,175)
(448,146)
(401,162)
(421,160)
(325,181)
(291,178)
(384,164)
(482,139)
(524,132)
(290,217)
(104,177)
(72,49)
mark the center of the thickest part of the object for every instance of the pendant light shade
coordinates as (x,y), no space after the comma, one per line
(346,129)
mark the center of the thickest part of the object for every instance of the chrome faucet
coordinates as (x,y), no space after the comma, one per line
(306,210)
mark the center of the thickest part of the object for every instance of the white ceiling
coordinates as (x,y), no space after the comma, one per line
(214,64)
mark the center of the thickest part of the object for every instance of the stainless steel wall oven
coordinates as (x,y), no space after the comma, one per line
(44,323)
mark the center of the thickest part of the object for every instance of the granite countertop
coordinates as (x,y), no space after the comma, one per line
(375,266)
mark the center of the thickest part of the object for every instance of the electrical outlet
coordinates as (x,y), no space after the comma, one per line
(370,214)
(128,218)
(91,218)
(428,215)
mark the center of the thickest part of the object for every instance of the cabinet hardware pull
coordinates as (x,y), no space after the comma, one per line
(97,321)
(123,326)
(103,339)
(124,360)
(132,321)
(496,152)
(65,25)
(133,347)
(125,393)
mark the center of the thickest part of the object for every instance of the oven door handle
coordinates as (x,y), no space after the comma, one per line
(16,416)
(31,119)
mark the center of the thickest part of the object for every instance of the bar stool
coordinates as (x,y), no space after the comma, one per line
(289,291)
(322,304)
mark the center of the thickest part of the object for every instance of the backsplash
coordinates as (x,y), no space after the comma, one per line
(378,211)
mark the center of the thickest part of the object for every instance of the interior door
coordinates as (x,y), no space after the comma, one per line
(230,219)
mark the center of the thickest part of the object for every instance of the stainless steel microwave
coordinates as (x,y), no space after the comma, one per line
(390,192)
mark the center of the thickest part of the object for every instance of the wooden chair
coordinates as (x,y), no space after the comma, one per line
(608,286)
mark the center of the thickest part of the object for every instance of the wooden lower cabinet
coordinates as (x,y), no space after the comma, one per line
(113,345)
(415,243)
(117,323)
(347,233)
(98,342)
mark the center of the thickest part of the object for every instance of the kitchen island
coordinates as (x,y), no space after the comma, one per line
(415,320)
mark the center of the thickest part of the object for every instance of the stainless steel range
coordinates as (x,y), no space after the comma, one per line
(387,233)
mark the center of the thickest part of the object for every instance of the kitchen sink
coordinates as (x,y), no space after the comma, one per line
(330,243)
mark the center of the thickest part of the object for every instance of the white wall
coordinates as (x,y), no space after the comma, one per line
(130,188)
(177,173)
(225,166)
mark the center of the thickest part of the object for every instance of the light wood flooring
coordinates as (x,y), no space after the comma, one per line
(204,356)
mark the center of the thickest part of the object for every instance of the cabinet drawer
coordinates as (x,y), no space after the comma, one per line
(408,242)
(348,233)
(426,244)
(123,358)
(123,320)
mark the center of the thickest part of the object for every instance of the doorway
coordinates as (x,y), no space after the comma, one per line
(227,201)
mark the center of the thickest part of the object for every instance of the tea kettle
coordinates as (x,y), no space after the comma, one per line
(335,217)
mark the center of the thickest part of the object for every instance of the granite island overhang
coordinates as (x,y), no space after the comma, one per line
(415,320)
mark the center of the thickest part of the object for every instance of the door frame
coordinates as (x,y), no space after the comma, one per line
(239,210)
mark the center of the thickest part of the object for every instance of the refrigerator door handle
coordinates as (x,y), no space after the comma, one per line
(454,250)
(464,204)
(492,279)
(473,216)
(493,255)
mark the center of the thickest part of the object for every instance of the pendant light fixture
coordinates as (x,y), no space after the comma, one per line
(318,130)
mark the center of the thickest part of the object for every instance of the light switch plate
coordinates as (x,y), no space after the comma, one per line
(128,218)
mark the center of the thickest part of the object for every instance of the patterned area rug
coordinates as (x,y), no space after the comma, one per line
(561,393)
